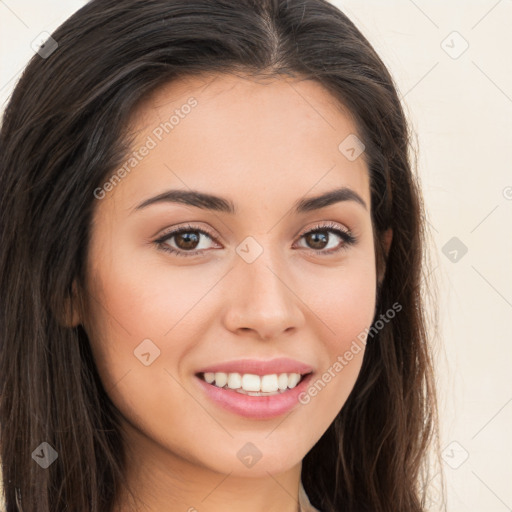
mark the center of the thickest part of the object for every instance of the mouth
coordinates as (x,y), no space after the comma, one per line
(242,395)
(252,384)
(255,388)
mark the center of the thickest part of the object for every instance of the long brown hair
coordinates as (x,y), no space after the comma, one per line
(63,134)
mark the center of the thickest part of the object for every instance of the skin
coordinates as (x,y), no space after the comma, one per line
(263,145)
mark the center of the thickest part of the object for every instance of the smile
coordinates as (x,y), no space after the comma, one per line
(251,384)
(254,404)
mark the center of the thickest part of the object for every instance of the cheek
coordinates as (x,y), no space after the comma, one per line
(343,298)
(133,300)
(348,303)
(134,328)
(345,305)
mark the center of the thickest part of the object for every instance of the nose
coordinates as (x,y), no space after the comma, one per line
(262,299)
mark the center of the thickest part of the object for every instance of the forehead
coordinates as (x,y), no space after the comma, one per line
(244,136)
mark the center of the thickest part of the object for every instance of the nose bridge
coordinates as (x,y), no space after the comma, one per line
(262,297)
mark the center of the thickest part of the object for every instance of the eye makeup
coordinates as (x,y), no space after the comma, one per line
(162,243)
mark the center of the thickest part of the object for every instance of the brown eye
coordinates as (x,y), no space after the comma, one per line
(186,240)
(317,239)
(321,236)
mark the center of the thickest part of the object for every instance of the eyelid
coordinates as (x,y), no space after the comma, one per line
(180,229)
(325,225)
(189,227)
(174,231)
(346,235)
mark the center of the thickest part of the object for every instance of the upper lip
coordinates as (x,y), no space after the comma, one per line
(259,367)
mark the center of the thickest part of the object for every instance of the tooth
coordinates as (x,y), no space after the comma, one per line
(250,382)
(261,394)
(269,383)
(282,381)
(293,379)
(221,379)
(234,381)
(253,383)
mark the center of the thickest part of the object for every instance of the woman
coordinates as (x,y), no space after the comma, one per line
(211,257)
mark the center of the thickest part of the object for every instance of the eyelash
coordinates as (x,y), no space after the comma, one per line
(347,237)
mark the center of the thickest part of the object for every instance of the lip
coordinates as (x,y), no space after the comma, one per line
(259,367)
(255,407)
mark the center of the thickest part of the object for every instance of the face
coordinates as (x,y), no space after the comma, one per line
(267,282)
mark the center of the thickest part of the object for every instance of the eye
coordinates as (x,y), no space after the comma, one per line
(187,240)
(319,239)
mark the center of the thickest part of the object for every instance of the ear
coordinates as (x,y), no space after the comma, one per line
(71,316)
(387,238)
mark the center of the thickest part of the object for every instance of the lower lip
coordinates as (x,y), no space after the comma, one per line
(256,407)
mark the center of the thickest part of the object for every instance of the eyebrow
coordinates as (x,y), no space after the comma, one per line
(223,205)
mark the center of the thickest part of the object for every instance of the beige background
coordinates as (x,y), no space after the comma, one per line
(460,104)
